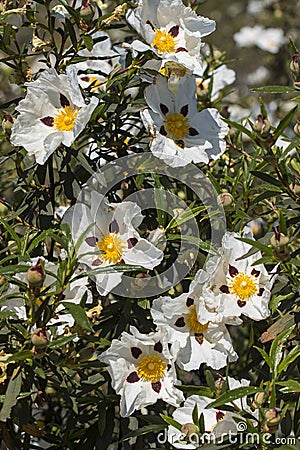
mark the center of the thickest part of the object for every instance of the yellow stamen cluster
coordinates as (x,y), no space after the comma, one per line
(64,119)
(164,42)
(176,125)
(193,323)
(243,286)
(151,368)
(112,247)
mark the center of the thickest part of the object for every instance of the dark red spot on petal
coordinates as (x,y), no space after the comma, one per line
(162,131)
(232,271)
(63,100)
(224,289)
(151,25)
(113,227)
(168,367)
(241,303)
(85,78)
(184,110)
(158,347)
(164,109)
(189,302)
(193,132)
(181,49)
(96,262)
(91,241)
(48,120)
(174,30)
(156,386)
(180,323)
(219,415)
(136,352)
(199,338)
(133,377)
(261,291)
(255,272)
(132,242)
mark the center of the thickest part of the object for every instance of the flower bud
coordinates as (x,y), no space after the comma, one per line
(40,337)
(36,275)
(87,12)
(7,124)
(262,125)
(295,188)
(273,417)
(225,199)
(279,240)
(189,428)
(258,400)
(294,66)
(2,280)
(297,128)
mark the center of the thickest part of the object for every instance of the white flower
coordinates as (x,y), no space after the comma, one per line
(181,134)
(269,39)
(113,239)
(207,341)
(52,113)
(240,287)
(142,370)
(172,30)
(221,77)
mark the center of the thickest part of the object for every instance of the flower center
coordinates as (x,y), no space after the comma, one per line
(151,368)
(112,247)
(193,323)
(243,286)
(64,119)
(164,41)
(176,125)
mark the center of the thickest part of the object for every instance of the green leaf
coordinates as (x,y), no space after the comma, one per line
(289,386)
(88,41)
(185,216)
(240,127)
(284,123)
(60,342)
(79,315)
(12,393)
(293,46)
(292,355)
(195,415)
(276,348)
(102,418)
(144,430)
(234,394)
(265,355)
(20,356)
(265,177)
(263,248)
(12,233)
(171,421)
(192,240)
(274,89)
(197,390)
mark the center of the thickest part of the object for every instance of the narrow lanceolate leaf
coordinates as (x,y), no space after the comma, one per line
(79,315)
(289,386)
(12,392)
(292,356)
(234,394)
(274,89)
(263,248)
(284,123)
(144,430)
(171,421)
(60,342)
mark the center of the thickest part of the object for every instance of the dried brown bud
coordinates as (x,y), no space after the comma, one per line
(225,199)
(273,417)
(189,428)
(262,125)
